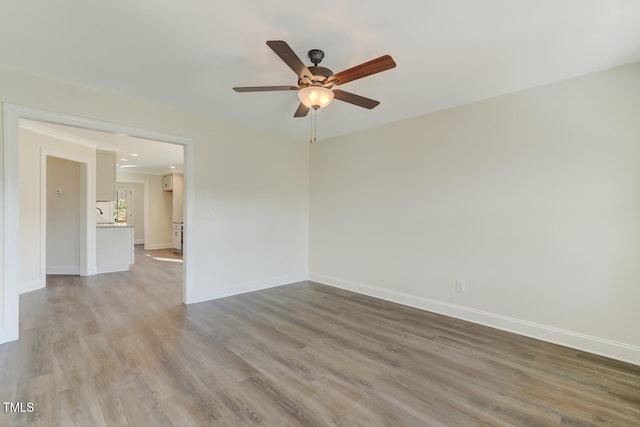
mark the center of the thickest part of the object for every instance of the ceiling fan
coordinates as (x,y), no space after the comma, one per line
(316,83)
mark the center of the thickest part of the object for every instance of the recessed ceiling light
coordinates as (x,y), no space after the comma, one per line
(128,166)
(172,167)
(134,154)
(125,160)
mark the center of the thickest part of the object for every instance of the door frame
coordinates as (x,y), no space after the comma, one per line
(12,114)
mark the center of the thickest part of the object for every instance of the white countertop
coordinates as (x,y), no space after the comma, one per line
(112,225)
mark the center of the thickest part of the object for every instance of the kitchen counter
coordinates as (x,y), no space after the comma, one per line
(114,247)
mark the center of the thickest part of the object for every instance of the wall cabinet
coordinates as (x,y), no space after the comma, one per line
(105,176)
(167,182)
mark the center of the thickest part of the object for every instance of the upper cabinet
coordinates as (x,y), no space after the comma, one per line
(105,176)
(167,182)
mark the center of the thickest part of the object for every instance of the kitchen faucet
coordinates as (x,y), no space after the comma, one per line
(100,210)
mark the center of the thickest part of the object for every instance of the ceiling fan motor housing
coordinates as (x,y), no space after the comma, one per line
(316,56)
(318,74)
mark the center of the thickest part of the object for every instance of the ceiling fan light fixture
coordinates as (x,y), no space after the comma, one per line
(315,97)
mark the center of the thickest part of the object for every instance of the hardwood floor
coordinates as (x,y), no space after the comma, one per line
(120,349)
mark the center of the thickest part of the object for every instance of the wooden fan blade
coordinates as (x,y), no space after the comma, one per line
(374,66)
(282,49)
(263,88)
(302,111)
(354,99)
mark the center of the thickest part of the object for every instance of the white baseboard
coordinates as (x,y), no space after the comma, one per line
(604,347)
(153,246)
(7,336)
(138,242)
(66,270)
(32,285)
(243,288)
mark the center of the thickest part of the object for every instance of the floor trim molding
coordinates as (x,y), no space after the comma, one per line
(31,286)
(64,270)
(154,246)
(250,286)
(603,347)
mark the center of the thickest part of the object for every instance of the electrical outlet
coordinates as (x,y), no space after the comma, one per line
(460,286)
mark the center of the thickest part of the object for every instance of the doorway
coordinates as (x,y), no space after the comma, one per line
(12,115)
(63,216)
(124,204)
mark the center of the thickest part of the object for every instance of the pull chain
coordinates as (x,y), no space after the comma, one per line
(312,139)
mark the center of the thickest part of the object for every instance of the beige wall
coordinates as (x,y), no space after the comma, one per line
(63,215)
(138,206)
(255,184)
(532,198)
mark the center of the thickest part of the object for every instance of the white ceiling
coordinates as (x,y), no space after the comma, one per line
(190,53)
(134,155)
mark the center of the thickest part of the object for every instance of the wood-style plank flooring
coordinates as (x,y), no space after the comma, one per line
(121,350)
